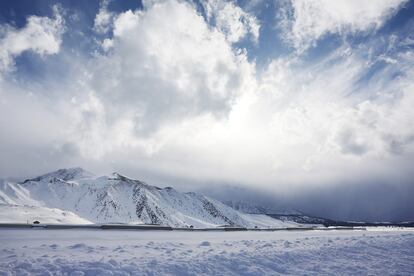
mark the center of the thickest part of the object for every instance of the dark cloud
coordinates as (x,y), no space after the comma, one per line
(376,201)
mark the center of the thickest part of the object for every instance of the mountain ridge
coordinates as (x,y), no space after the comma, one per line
(103,199)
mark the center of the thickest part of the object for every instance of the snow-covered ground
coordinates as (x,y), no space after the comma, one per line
(28,214)
(100,252)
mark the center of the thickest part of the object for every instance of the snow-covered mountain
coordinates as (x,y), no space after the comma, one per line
(76,195)
(254,208)
(246,207)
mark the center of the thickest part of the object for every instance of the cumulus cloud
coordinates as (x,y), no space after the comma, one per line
(164,65)
(307,21)
(41,35)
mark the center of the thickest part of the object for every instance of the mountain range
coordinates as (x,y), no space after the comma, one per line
(78,196)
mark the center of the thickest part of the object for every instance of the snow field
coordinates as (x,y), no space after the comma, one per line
(91,252)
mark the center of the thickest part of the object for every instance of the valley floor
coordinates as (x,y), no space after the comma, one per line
(101,252)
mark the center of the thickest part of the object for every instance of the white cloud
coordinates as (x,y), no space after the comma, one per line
(310,20)
(33,136)
(104,19)
(231,20)
(41,35)
(164,65)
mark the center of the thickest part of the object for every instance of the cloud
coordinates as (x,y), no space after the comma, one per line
(307,21)
(41,35)
(33,131)
(104,18)
(171,94)
(302,125)
(163,66)
(232,20)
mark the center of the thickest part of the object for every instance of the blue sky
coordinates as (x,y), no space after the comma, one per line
(293,98)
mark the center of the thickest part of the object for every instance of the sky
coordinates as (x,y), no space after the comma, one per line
(304,104)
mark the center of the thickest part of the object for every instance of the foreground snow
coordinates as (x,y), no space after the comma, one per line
(91,252)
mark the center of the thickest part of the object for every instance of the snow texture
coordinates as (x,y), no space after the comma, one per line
(92,252)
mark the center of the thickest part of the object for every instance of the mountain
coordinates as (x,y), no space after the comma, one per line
(246,207)
(254,208)
(63,174)
(77,196)
(308,219)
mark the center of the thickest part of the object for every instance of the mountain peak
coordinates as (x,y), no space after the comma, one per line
(123,178)
(63,174)
(118,176)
